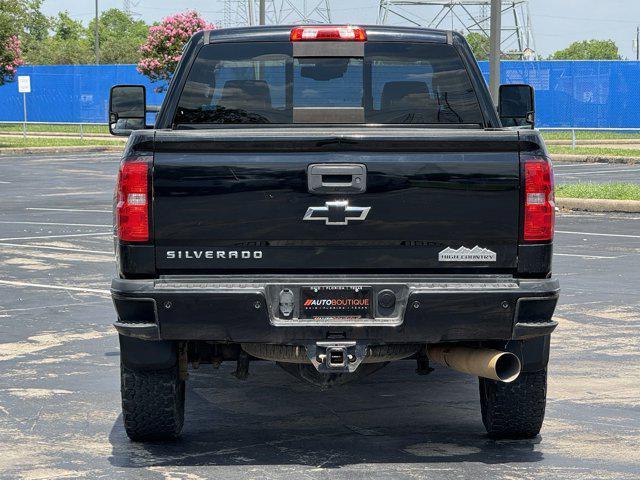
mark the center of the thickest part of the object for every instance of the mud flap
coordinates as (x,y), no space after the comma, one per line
(533,353)
(147,355)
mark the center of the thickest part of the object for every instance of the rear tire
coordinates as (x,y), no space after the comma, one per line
(152,403)
(514,410)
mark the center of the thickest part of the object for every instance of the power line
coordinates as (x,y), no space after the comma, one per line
(129,5)
(584,19)
(466,16)
(239,13)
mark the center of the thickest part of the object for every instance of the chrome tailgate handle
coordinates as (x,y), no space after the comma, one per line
(337,178)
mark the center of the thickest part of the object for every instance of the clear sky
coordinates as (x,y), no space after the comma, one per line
(556,23)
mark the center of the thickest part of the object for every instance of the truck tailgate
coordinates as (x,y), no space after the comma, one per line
(237,198)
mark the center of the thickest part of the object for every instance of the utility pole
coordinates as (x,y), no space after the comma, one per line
(263,12)
(250,13)
(97,35)
(494,54)
(638,43)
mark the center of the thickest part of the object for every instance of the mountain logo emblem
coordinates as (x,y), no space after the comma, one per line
(464,254)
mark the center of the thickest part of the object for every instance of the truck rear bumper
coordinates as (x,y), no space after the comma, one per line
(429,309)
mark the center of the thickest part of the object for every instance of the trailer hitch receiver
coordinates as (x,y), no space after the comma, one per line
(336,357)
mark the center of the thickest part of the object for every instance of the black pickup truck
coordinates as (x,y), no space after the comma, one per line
(332,198)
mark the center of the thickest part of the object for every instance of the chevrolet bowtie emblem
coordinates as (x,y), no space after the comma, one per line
(337,213)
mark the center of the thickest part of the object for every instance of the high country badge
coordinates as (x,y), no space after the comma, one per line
(464,254)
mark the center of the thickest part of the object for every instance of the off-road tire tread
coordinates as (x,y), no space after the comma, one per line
(152,403)
(514,410)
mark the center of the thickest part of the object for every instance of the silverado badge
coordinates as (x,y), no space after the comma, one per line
(464,254)
(337,213)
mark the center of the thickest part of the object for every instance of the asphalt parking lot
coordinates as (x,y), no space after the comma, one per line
(59,375)
(596,172)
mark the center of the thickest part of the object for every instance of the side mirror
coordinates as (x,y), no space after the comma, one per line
(516,106)
(127,109)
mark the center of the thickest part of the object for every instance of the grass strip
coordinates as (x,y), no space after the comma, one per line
(594,151)
(19,142)
(601,191)
(87,128)
(590,135)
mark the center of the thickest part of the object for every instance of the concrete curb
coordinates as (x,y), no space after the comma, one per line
(595,205)
(594,159)
(40,150)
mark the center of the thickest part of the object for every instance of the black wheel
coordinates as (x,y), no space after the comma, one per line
(152,403)
(514,410)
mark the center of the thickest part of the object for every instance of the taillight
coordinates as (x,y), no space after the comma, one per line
(335,33)
(539,200)
(132,200)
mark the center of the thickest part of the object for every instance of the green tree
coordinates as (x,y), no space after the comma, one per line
(66,28)
(67,44)
(36,25)
(120,36)
(19,20)
(589,50)
(479,44)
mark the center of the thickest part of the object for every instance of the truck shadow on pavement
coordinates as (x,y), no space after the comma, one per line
(391,417)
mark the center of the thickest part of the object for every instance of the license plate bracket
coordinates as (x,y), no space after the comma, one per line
(336,303)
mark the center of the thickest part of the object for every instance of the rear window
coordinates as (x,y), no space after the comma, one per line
(395,83)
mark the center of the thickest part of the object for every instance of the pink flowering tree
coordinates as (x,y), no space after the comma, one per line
(162,51)
(10,58)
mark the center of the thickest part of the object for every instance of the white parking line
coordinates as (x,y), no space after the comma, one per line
(57,236)
(67,210)
(56,224)
(607,215)
(597,172)
(60,249)
(582,256)
(597,234)
(54,287)
(76,304)
(586,164)
(71,194)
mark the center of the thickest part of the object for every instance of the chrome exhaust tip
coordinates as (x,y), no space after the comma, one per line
(507,367)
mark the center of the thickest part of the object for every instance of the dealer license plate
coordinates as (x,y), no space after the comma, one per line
(336,303)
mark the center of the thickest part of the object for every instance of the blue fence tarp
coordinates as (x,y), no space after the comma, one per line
(70,93)
(594,94)
(603,94)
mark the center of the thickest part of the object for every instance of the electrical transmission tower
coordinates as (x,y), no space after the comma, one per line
(129,7)
(466,16)
(240,13)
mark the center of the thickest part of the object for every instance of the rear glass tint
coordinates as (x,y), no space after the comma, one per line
(328,82)
(237,83)
(395,83)
(420,83)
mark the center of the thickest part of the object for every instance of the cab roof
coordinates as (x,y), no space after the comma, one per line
(375,33)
